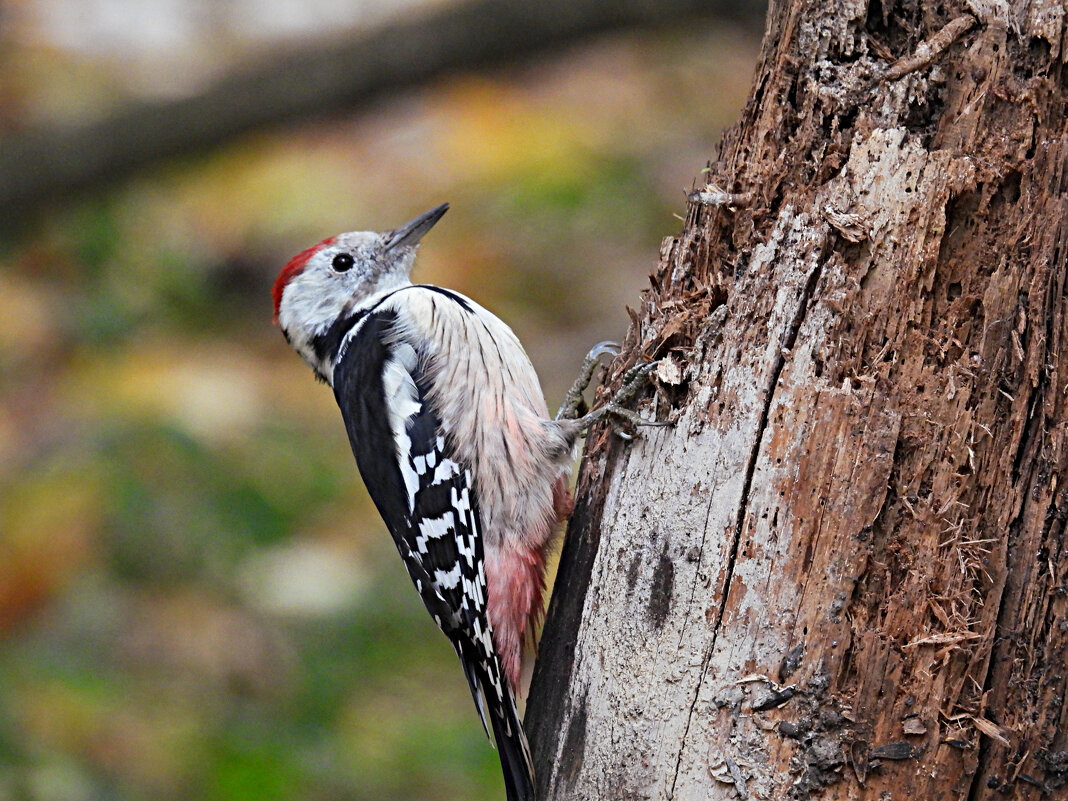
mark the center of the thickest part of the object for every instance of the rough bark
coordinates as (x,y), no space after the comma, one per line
(842,572)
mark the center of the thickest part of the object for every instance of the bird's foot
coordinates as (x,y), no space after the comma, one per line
(574,405)
(634,380)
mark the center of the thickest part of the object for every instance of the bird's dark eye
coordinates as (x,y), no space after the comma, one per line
(342,262)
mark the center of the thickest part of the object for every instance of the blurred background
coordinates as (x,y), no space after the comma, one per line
(197,599)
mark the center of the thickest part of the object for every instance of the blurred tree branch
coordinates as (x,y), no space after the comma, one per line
(39,164)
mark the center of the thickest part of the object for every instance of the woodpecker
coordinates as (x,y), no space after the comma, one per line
(453,439)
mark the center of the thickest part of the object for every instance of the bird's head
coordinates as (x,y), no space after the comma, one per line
(329,281)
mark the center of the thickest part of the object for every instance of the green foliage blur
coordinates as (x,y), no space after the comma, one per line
(197,599)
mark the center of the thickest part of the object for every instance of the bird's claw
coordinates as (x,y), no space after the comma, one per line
(602,349)
(573,401)
(633,381)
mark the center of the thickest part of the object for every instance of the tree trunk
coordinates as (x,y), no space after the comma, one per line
(842,571)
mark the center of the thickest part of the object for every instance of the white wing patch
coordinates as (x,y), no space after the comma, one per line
(434,529)
(448,579)
(461,501)
(445,470)
(402,403)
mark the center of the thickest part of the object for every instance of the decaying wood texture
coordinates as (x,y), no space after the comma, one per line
(842,573)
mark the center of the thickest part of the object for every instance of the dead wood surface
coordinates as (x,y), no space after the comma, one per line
(842,573)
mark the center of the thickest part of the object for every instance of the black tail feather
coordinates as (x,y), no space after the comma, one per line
(515,754)
(494,699)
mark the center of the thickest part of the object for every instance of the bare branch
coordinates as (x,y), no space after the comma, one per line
(37,164)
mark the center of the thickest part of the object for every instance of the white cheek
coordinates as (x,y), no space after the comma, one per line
(311,302)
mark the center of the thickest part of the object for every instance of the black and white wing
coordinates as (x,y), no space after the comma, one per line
(423,495)
(427,499)
(400,450)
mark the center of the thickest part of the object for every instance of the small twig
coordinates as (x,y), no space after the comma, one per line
(943,638)
(990,729)
(930,49)
(712,195)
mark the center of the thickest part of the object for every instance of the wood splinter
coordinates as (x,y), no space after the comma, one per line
(930,49)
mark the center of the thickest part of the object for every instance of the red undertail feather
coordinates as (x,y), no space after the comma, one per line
(516,584)
(516,587)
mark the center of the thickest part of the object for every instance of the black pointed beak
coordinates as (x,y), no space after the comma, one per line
(411,232)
